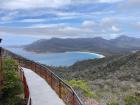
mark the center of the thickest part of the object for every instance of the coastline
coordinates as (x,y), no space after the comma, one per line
(99,55)
(86,52)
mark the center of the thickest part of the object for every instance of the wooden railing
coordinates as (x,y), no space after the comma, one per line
(65,92)
(25,85)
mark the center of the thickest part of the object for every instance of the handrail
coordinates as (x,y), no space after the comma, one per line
(25,85)
(65,92)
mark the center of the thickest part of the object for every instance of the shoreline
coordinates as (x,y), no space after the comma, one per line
(86,52)
(99,55)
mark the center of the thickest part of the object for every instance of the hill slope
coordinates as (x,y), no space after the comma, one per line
(114,46)
(123,67)
(111,78)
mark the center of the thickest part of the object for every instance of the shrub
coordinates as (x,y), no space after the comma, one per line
(132,100)
(12,86)
(112,103)
(82,85)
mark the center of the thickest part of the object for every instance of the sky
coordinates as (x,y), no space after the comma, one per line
(24,21)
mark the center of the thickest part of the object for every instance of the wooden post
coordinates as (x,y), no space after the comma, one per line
(73,99)
(30,101)
(51,81)
(26,91)
(1,71)
(35,67)
(60,86)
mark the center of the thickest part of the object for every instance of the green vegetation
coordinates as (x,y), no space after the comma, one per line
(83,86)
(12,87)
(128,100)
(132,100)
(110,78)
(112,103)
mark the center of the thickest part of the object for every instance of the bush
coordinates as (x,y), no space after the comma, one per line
(12,86)
(82,85)
(112,103)
(132,100)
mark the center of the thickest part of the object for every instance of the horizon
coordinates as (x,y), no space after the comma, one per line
(24,21)
(25,40)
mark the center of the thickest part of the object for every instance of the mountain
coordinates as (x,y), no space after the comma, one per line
(119,45)
(126,42)
(111,78)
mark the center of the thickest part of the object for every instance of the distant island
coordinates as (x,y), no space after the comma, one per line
(119,45)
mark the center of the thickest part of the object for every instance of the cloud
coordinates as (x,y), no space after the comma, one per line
(32,20)
(115,29)
(110,24)
(137,26)
(88,24)
(9,16)
(130,5)
(133,3)
(40,25)
(34,4)
(109,1)
(87,28)
(68,18)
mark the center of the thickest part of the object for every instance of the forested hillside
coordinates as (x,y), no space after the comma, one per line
(111,79)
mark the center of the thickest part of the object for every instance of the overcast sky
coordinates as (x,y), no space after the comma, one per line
(35,19)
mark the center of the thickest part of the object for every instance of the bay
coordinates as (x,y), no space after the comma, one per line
(56,59)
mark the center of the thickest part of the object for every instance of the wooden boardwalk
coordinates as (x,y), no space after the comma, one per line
(40,91)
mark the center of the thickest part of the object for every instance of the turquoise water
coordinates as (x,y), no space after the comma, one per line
(55,59)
